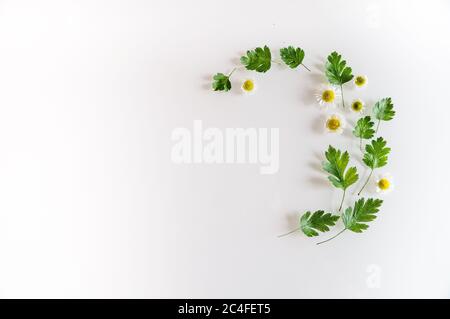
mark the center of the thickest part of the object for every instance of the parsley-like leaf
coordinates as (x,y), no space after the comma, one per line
(356,218)
(259,59)
(311,224)
(221,82)
(364,128)
(293,57)
(364,211)
(376,154)
(384,109)
(335,165)
(336,70)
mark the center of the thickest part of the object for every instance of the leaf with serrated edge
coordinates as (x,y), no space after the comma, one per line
(336,70)
(336,165)
(293,57)
(221,82)
(364,128)
(364,211)
(376,154)
(311,224)
(384,109)
(259,59)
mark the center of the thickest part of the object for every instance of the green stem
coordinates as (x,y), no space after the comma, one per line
(306,67)
(292,231)
(368,178)
(360,144)
(342,201)
(232,71)
(332,237)
(342,96)
(378,125)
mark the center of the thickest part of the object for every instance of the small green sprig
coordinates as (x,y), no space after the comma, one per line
(383,111)
(364,129)
(336,165)
(364,211)
(376,156)
(337,72)
(355,219)
(311,224)
(260,60)
(293,57)
(221,82)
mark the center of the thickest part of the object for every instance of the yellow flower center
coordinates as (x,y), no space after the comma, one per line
(357,106)
(384,184)
(248,85)
(360,80)
(328,96)
(333,124)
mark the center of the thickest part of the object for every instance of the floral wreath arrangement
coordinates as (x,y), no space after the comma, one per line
(374,154)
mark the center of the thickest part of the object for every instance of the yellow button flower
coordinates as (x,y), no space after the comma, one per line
(361,81)
(335,124)
(327,96)
(248,86)
(357,106)
(385,183)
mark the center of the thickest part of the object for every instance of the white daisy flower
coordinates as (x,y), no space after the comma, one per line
(361,81)
(327,96)
(357,106)
(385,183)
(335,124)
(248,86)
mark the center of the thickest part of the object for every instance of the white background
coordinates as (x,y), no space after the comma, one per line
(92,206)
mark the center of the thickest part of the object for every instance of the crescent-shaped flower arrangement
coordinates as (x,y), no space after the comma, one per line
(374,153)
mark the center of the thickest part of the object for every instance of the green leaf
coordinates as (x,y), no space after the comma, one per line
(293,57)
(259,59)
(384,109)
(364,211)
(221,82)
(310,224)
(336,70)
(335,165)
(376,154)
(364,128)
